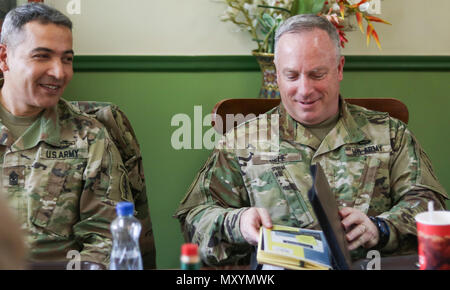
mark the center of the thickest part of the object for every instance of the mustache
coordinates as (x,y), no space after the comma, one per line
(51,81)
(306,99)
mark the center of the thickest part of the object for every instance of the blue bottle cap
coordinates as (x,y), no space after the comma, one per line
(125,208)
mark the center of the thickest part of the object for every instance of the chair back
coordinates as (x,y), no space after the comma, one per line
(255,107)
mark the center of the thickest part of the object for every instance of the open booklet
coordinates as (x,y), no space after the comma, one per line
(295,248)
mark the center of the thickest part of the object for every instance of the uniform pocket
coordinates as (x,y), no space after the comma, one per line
(298,206)
(49,201)
(271,185)
(367,184)
(124,184)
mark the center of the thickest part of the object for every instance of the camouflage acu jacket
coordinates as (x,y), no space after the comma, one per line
(63,177)
(122,133)
(372,162)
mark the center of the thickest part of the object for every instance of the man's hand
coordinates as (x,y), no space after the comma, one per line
(251,220)
(360,230)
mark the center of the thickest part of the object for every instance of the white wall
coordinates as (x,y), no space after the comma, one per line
(192,27)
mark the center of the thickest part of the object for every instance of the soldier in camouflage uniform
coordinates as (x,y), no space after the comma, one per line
(378,172)
(122,133)
(61,172)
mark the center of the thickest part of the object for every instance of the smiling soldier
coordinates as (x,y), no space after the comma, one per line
(62,174)
(380,176)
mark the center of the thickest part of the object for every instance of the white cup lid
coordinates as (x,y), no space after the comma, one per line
(437,218)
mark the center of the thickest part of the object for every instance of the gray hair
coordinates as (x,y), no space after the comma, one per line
(21,15)
(307,22)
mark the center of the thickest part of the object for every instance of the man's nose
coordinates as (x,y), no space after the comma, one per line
(304,86)
(56,69)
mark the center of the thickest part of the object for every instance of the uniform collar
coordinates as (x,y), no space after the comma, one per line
(346,131)
(46,128)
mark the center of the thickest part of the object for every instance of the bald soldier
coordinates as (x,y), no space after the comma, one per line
(62,174)
(380,176)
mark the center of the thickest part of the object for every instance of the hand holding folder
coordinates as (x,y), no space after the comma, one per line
(327,212)
(295,248)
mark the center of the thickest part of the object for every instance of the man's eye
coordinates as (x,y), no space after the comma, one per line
(40,56)
(318,76)
(68,59)
(291,76)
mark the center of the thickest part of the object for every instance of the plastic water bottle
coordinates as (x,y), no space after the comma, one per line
(125,229)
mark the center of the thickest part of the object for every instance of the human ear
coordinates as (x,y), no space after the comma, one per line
(3,58)
(341,68)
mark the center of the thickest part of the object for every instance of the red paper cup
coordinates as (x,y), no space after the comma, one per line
(433,233)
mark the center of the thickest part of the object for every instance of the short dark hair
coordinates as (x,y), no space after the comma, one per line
(21,15)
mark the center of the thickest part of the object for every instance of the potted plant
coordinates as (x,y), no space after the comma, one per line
(261,18)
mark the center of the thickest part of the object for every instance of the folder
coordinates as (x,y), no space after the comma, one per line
(327,212)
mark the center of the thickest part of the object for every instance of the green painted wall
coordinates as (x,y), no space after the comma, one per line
(151,99)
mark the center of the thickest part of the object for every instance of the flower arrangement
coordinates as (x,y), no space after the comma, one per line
(261,18)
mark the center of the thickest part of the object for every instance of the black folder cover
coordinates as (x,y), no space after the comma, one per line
(324,204)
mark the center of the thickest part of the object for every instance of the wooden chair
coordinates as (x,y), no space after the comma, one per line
(394,107)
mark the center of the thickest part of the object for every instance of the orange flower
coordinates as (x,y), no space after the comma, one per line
(357,5)
(375,36)
(359,19)
(369,32)
(376,19)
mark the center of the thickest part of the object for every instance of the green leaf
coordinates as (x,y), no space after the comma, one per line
(275,8)
(317,6)
(268,19)
(301,6)
(263,24)
(264,29)
(307,6)
(294,8)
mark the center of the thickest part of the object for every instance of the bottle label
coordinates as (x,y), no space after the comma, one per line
(190,259)
(190,262)
(185,266)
